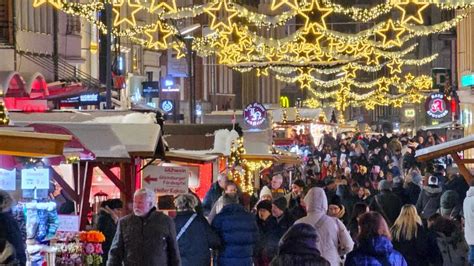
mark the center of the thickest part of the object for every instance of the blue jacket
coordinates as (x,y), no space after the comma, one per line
(377,251)
(196,241)
(238,232)
(211,197)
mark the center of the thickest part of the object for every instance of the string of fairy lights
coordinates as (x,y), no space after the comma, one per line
(310,56)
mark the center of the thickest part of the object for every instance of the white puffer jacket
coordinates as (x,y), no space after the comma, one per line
(468,209)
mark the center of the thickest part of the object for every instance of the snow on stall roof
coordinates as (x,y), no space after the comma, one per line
(445,145)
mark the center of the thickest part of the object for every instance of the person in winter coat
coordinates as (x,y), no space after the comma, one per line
(230,188)
(146,237)
(429,199)
(195,235)
(375,248)
(214,193)
(457,183)
(412,240)
(238,231)
(298,247)
(294,199)
(450,205)
(335,240)
(451,243)
(267,245)
(413,186)
(109,214)
(386,203)
(283,217)
(468,210)
(353,226)
(12,247)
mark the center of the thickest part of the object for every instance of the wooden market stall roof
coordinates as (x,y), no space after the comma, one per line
(450,148)
(276,158)
(190,157)
(31,144)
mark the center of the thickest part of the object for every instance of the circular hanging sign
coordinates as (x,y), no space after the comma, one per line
(167,106)
(436,106)
(255,114)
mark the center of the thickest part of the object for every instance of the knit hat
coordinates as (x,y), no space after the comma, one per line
(300,183)
(448,201)
(335,201)
(281,203)
(384,185)
(265,204)
(265,191)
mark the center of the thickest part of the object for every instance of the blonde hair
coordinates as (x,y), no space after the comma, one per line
(406,225)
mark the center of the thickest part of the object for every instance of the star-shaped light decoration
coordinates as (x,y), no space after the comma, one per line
(163,6)
(305,77)
(131,5)
(383,85)
(312,36)
(391,34)
(163,31)
(293,4)
(395,66)
(412,10)
(372,56)
(315,15)
(221,7)
(417,98)
(409,78)
(56,3)
(397,103)
(262,72)
(395,79)
(350,70)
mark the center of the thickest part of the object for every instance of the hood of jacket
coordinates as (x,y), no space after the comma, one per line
(470,192)
(377,246)
(432,191)
(316,201)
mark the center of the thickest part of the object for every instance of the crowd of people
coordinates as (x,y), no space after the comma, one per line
(357,201)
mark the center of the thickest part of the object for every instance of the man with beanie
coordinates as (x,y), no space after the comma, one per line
(283,217)
(429,199)
(294,199)
(468,210)
(386,202)
(267,243)
(450,205)
(238,231)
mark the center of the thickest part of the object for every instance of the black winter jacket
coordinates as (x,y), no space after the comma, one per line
(196,241)
(145,241)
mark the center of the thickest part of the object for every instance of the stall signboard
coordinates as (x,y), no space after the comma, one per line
(167,106)
(436,106)
(255,114)
(166,179)
(151,89)
(8,179)
(35,178)
(68,223)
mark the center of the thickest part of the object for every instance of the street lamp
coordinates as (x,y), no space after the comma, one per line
(187,39)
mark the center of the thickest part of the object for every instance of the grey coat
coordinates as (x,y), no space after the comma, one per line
(145,241)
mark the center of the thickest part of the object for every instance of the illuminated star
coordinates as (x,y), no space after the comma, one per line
(136,7)
(163,32)
(411,10)
(312,36)
(395,79)
(262,72)
(383,85)
(305,77)
(56,3)
(221,6)
(397,103)
(391,34)
(315,15)
(372,57)
(279,3)
(395,66)
(409,77)
(350,70)
(163,5)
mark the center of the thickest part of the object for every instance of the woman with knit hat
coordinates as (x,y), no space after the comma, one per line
(266,246)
